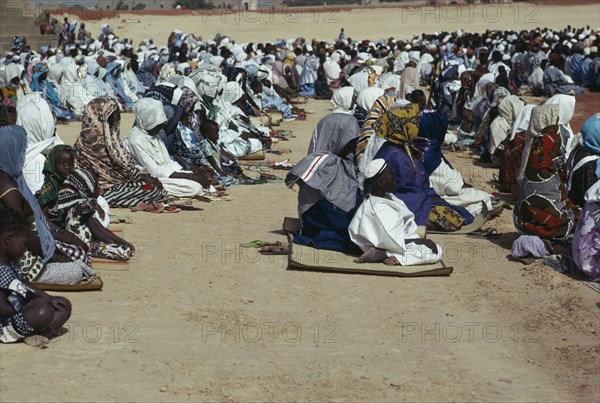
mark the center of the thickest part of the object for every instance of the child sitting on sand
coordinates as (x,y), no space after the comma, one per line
(25,311)
(77,202)
(384,228)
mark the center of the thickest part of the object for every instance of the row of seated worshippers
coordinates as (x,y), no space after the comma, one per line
(65,192)
(553,172)
(344,162)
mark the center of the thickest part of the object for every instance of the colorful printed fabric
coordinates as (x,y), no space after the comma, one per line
(542,205)
(381,105)
(401,126)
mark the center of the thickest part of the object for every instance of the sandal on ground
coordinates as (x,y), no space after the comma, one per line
(490,234)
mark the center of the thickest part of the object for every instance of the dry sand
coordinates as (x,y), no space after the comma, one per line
(196,317)
(374,23)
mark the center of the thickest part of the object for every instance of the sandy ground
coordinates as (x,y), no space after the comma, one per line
(252,26)
(196,318)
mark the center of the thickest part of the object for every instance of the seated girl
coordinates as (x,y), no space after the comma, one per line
(53,256)
(25,310)
(77,202)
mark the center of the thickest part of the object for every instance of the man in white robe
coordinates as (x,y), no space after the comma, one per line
(384,228)
(148,150)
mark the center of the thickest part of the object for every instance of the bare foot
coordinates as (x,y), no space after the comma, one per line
(37,341)
(391,261)
(371,256)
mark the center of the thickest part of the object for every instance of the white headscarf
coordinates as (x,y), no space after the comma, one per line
(149,113)
(359,80)
(521,123)
(342,100)
(232,92)
(368,96)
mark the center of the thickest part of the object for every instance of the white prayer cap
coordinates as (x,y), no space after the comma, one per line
(581,37)
(407,47)
(506,57)
(375,168)
(308,47)
(594,49)
(574,40)
(587,51)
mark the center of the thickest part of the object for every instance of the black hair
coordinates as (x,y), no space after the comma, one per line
(207,125)
(12,221)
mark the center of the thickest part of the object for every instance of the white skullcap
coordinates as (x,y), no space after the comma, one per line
(506,57)
(587,51)
(375,168)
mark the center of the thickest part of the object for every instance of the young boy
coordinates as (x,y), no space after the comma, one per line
(25,311)
(384,228)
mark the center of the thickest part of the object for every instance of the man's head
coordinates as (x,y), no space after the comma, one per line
(380,176)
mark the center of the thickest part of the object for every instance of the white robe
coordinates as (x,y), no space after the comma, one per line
(448,184)
(151,154)
(386,223)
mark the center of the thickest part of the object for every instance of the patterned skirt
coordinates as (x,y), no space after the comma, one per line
(130,194)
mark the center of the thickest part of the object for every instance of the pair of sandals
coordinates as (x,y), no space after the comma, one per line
(155,207)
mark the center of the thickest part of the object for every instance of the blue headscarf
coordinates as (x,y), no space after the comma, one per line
(44,86)
(591,137)
(433,125)
(13,143)
(146,73)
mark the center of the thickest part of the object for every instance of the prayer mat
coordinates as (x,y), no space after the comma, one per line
(99,263)
(94,285)
(306,258)
(257,156)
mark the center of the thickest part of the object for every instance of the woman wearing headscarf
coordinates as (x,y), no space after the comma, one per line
(47,260)
(541,208)
(381,105)
(586,241)
(561,115)
(77,201)
(114,78)
(296,71)
(71,90)
(15,88)
(584,161)
(308,77)
(147,72)
(40,83)
(513,151)
(34,115)
(508,110)
(409,81)
(328,195)
(150,153)
(99,150)
(396,132)
(365,100)
(94,83)
(336,130)
(332,67)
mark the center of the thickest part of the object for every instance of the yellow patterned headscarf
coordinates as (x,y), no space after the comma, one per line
(400,126)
